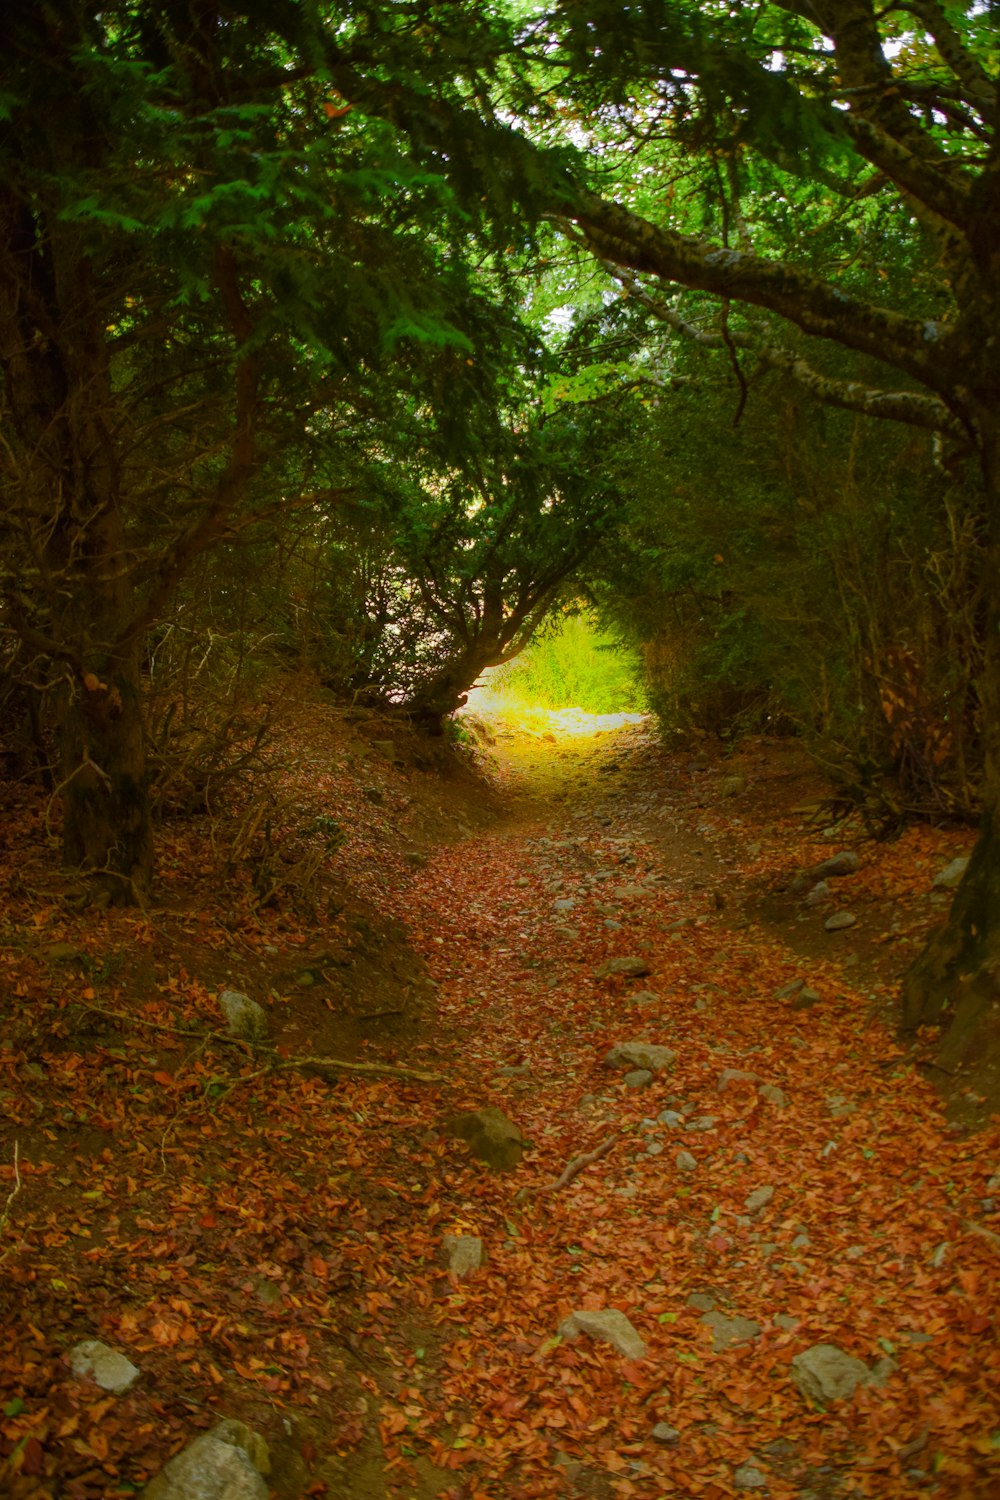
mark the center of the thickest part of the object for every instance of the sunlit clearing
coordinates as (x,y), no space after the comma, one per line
(573,681)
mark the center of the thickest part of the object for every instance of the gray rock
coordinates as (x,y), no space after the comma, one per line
(565,903)
(631,892)
(701,1301)
(644,997)
(702,1122)
(748,1478)
(839,920)
(758,1199)
(608,1326)
(638,1078)
(639,1055)
(844,863)
(785,1321)
(672,1118)
(806,999)
(788,991)
(729,1331)
(490,1137)
(773,1095)
(374,794)
(819,893)
(734,1075)
(732,786)
(881,1372)
(825,1373)
(225,1464)
(685,1161)
(630,967)
(465,1253)
(246,1018)
(948,878)
(106,1367)
(665,1434)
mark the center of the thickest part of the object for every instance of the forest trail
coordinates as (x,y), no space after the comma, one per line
(270,1241)
(787,1181)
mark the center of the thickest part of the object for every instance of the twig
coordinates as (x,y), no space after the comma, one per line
(578,1163)
(5,1216)
(970,1224)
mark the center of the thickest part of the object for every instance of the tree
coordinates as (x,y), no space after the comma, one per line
(211,271)
(842,102)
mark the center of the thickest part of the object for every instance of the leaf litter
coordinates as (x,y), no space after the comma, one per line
(268,1243)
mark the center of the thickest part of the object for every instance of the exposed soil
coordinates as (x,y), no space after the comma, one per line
(261,1232)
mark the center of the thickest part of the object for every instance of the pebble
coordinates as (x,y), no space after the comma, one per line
(685,1161)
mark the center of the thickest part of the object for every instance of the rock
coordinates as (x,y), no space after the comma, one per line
(844,863)
(734,1075)
(839,921)
(490,1136)
(106,1367)
(63,953)
(788,991)
(225,1464)
(881,1372)
(465,1253)
(785,1321)
(665,1434)
(806,999)
(701,1302)
(638,1078)
(607,1326)
(748,1478)
(246,1018)
(819,893)
(948,878)
(703,1122)
(773,1095)
(729,1331)
(644,997)
(825,1373)
(671,1118)
(732,786)
(374,794)
(758,1199)
(415,859)
(685,1161)
(630,892)
(639,1055)
(629,967)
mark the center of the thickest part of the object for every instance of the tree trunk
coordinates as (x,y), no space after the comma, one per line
(955,982)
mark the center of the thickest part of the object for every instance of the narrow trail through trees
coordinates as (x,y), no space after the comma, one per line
(784,1180)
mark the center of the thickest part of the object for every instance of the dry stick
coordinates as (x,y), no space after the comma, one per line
(578,1163)
(387,1070)
(10,1198)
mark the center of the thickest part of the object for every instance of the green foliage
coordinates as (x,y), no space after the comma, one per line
(574,665)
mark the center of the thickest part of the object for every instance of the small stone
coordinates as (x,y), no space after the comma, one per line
(758,1199)
(701,1302)
(825,1373)
(749,1478)
(788,991)
(638,1078)
(732,786)
(685,1161)
(654,1148)
(106,1367)
(671,1118)
(948,878)
(806,999)
(374,794)
(639,1055)
(465,1253)
(734,1075)
(839,921)
(785,1321)
(607,1325)
(415,858)
(644,997)
(663,1433)
(224,1464)
(773,1095)
(729,1331)
(565,903)
(246,1018)
(490,1136)
(703,1122)
(819,893)
(844,863)
(800,1242)
(631,967)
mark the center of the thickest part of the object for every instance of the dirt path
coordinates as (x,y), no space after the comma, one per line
(267,1241)
(786,1181)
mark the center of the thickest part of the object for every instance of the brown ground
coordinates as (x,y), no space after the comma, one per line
(242,1232)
